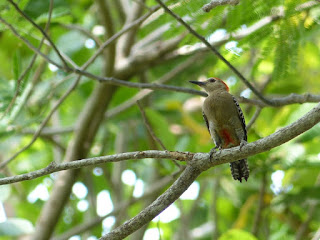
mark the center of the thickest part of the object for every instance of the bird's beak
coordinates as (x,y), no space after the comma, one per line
(198,83)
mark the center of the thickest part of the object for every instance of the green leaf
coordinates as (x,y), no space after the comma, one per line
(161,128)
(310,193)
(16,65)
(237,234)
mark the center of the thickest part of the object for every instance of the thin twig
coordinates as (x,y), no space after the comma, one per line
(142,3)
(54,167)
(148,126)
(49,131)
(118,82)
(150,130)
(22,76)
(146,92)
(216,52)
(301,233)
(313,205)
(41,30)
(44,122)
(254,117)
(261,205)
(214,3)
(282,101)
(68,69)
(83,31)
(117,35)
(30,45)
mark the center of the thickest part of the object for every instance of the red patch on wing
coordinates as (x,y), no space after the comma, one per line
(225,135)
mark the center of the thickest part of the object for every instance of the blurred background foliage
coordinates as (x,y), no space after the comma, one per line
(282,57)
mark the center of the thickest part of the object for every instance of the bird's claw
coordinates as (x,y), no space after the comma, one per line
(213,151)
(243,143)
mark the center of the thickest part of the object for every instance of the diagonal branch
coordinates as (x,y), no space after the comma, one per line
(30,45)
(216,52)
(149,128)
(41,30)
(199,160)
(22,76)
(197,163)
(44,123)
(161,203)
(201,163)
(83,227)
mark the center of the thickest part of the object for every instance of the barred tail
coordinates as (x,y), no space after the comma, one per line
(240,169)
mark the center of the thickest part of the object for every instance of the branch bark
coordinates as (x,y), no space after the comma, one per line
(214,3)
(201,160)
(216,52)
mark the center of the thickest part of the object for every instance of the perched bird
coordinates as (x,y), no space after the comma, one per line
(225,122)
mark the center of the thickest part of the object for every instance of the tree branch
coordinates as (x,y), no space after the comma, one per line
(43,123)
(157,186)
(161,203)
(127,40)
(21,77)
(214,3)
(41,30)
(197,163)
(215,51)
(30,45)
(282,101)
(149,128)
(146,92)
(199,160)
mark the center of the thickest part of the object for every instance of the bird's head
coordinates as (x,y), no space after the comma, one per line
(212,84)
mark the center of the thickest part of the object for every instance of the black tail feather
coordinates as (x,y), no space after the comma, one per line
(240,169)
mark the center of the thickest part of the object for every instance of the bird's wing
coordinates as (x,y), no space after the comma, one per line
(241,117)
(206,120)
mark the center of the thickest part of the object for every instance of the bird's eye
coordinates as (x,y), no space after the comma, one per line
(212,80)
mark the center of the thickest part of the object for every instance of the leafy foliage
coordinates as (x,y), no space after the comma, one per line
(285,50)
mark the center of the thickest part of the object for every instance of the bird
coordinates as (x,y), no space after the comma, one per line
(225,122)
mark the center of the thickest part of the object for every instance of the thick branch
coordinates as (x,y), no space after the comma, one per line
(200,160)
(161,203)
(200,163)
(127,40)
(157,186)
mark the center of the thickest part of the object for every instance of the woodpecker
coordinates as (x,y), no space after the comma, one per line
(225,122)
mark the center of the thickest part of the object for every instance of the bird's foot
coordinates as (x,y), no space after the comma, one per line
(213,151)
(243,143)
